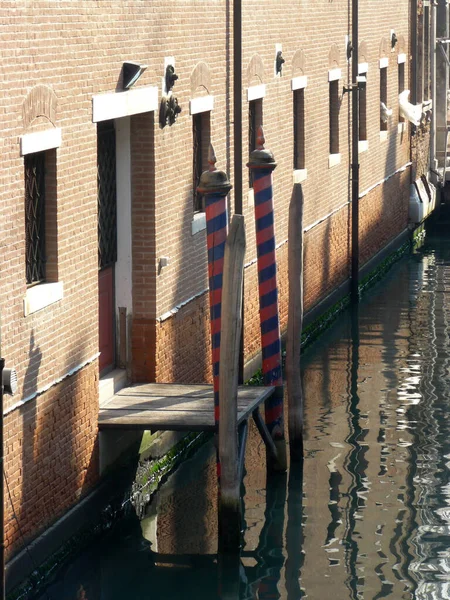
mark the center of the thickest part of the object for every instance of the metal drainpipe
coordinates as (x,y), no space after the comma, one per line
(355,157)
(433,7)
(237,150)
(237,104)
(413,72)
(2,488)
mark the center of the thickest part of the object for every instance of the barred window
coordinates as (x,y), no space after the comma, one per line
(201,135)
(334,117)
(363,110)
(35,250)
(401,87)
(299,129)
(383,97)
(106,194)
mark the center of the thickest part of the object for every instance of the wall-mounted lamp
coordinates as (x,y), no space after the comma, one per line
(349,49)
(9,381)
(171,77)
(279,61)
(168,111)
(131,71)
(394,39)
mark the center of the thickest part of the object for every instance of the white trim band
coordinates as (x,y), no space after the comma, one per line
(50,385)
(372,187)
(40,141)
(384,62)
(201,104)
(173,311)
(256,92)
(401,58)
(322,219)
(298,83)
(124,104)
(334,74)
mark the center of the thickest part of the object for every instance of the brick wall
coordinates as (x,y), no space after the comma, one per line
(55,58)
(51,455)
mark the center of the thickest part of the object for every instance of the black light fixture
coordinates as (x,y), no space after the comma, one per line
(349,50)
(168,111)
(171,77)
(279,61)
(394,40)
(131,71)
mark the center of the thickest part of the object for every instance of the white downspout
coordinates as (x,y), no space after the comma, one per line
(433,48)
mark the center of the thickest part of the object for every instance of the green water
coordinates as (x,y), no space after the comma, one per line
(368,516)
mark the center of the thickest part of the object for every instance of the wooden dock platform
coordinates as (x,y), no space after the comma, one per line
(173,407)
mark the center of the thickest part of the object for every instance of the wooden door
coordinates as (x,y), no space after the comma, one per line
(106,317)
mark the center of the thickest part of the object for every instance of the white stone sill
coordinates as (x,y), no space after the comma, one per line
(300,175)
(363,146)
(334,160)
(198,222)
(42,295)
(383,136)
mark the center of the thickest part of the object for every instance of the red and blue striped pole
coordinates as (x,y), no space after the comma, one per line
(215,186)
(262,163)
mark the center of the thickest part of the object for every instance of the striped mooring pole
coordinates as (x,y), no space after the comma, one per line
(215,186)
(262,163)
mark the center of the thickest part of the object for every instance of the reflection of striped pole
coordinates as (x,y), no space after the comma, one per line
(263,163)
(215,186)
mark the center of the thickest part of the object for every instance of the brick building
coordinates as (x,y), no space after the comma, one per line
(103,244)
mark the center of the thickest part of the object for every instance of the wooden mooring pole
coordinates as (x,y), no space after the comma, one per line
(262,164)
(230,482)
(295,325)
(215,186)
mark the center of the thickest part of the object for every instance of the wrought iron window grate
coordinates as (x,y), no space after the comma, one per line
(107,194)
(35,218)
(197,160)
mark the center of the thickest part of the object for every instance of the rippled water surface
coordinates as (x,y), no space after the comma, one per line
(369,517)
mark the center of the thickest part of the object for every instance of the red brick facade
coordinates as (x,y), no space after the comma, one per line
(57,60)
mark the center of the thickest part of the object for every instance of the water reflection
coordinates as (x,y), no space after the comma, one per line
(366,516)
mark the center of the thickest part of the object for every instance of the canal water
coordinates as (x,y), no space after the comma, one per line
(368,516)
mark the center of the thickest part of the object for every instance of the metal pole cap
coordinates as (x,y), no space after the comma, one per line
(213,181)
(261,157)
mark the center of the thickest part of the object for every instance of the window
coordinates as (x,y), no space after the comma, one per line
(334,116)
(363,109)
(299,128)
(40,217)
(255,121)
(383,99)
(106,194)
(401,87)
(201,135)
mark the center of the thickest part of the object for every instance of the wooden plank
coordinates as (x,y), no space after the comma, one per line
(230,335)
(193,417)
(167,421)
(295,324)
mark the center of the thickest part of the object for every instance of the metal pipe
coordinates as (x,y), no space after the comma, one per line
(433,7)
(2,487)
(413,73)
(355,157)
(237,104)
